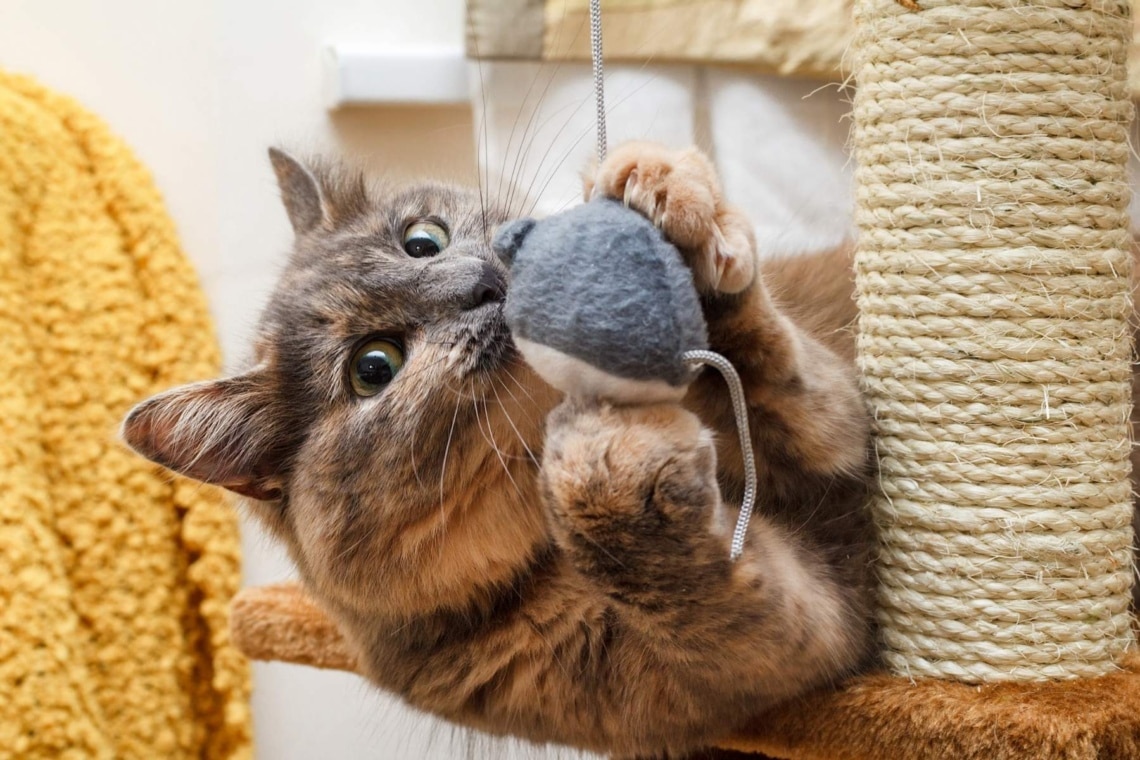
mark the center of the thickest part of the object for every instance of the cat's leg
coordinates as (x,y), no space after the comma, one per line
(807,413)
(808,424)
(704,642)
(638,491)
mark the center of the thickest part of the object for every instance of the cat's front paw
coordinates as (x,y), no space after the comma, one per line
(634,501)
(615,472)
(678,190)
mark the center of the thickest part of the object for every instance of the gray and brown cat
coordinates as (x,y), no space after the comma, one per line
(524,565)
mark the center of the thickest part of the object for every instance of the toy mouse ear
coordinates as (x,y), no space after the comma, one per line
(509,237)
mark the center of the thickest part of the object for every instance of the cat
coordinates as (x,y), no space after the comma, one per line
(557,570)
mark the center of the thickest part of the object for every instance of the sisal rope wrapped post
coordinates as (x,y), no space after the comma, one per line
(993,285)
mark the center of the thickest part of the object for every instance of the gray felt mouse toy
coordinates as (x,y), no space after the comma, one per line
(601,305)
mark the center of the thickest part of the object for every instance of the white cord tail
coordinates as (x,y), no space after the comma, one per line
(740,408)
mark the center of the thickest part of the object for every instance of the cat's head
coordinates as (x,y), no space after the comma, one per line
(387,414)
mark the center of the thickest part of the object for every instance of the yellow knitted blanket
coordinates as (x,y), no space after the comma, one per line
(114,578)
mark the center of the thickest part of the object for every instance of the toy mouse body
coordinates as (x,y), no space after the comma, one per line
(601,305)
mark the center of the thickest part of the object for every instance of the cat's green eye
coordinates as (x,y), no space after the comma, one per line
(374,365)
(425,239)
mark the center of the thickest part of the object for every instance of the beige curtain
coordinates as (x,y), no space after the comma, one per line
(794,37)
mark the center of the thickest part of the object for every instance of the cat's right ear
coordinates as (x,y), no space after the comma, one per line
(300,191)
(221,432)
(509,237)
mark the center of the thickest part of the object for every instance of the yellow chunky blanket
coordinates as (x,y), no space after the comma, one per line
(114,579)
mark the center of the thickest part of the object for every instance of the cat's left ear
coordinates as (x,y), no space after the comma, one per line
(300,191)
(228,432)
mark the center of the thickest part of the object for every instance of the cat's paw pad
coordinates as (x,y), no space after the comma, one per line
(679,192)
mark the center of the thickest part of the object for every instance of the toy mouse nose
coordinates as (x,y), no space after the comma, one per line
(491,286)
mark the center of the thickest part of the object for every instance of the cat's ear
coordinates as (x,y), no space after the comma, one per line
(219,431)
(300,191)
(509,237)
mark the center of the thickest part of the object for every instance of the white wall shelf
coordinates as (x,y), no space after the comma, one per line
(363,76)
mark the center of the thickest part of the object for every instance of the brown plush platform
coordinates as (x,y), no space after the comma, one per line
(875,717)
(280,622)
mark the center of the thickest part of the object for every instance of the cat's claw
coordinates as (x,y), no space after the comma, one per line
(649,204)
(627,191)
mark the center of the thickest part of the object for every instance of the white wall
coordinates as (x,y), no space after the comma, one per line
(200,89)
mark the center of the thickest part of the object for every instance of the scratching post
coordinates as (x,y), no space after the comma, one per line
(992,279)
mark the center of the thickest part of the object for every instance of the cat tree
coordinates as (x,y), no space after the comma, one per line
(992,274)
(994,340)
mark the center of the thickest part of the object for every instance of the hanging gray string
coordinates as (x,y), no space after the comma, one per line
(692,358)
(599,90)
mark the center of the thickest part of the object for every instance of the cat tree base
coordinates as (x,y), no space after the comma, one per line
(881,716)
(871,718)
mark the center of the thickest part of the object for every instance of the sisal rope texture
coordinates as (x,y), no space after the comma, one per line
(993,286)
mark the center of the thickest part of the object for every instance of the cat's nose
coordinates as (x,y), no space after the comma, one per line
(491,286)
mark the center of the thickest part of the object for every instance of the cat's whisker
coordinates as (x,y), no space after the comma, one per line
(589,539)
(349,549)
(489,436)
(518,383)
(412,456)
(498,401)
(588,97)
(494,389)
(819,505)
(443,467)
(533,410)
(459,393)
(574,145)
(520,158)
(550,176)
(524,152)
(481,138)
(510,140)
(511,422)
(524,198)
(532,406)
(425,369)
(538,170)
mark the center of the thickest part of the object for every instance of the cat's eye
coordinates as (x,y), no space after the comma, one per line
(425,239)
(374,365)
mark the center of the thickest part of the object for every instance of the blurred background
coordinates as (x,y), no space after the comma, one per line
(200,89)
